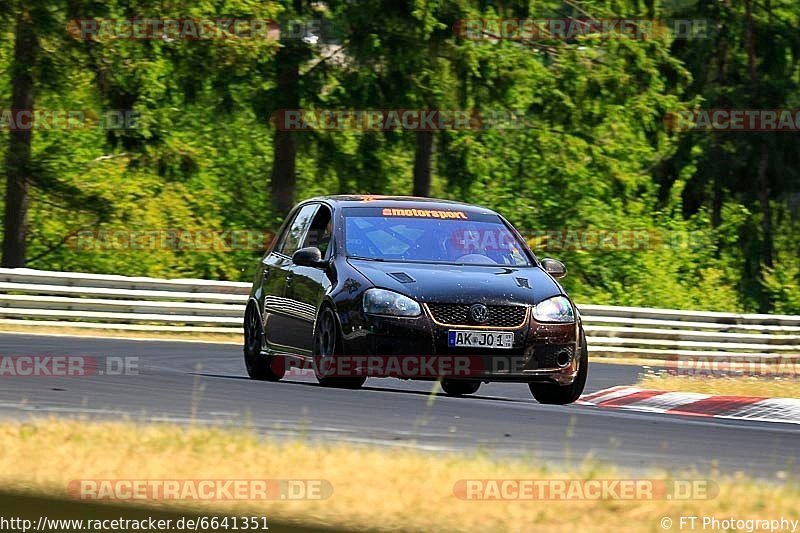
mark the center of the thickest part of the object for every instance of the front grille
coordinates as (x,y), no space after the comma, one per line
(500,316)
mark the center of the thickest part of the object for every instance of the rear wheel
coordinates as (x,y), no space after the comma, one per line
(258,366)
(327,346)
(459,388)
(564,394)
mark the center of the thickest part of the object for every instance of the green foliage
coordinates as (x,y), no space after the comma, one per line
(582,146)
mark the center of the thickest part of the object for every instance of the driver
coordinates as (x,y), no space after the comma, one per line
(463,245)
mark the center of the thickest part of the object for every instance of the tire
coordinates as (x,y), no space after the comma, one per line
(460,388)
(548,393)
(327,346)
(258,366)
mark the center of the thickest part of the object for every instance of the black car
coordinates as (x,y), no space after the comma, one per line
(415,288)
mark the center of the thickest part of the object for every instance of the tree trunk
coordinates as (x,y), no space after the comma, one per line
(718,155)
(763,200)
(18,158)
(762,175)
(283,180)
(422,163)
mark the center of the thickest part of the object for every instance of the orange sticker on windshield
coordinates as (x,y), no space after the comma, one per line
(424,213)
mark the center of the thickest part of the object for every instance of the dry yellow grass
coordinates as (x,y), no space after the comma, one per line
(372,487)
(776,387)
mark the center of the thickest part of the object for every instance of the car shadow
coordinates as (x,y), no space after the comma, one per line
(372,388)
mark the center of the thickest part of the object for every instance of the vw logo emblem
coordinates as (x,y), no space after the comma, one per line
(479,313)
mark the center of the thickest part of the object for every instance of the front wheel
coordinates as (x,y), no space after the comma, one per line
(327,346)
(258,366)
(565,394)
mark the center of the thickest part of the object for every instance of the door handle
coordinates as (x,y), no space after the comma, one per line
(267,273)
(289,278)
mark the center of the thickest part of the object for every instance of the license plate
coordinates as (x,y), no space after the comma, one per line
(479,339)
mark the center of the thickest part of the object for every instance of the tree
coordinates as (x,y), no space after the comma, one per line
(750,60)
(18,156)
(292,90)
(408,49)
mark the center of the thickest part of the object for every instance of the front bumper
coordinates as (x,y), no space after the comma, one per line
(541,352)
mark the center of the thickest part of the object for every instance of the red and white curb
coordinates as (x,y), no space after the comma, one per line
(785,410)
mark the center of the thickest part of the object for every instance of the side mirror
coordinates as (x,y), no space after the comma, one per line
(308,257)
(554,267)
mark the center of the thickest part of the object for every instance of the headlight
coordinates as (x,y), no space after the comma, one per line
(556,309)
(383,302)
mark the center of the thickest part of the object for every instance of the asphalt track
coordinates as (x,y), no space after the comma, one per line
(206,383)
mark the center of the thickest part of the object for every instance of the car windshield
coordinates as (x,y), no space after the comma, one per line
(431,236)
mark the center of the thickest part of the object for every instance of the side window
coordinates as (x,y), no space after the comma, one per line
(319,234)
(297,230)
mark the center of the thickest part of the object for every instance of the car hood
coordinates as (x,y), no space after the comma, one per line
(492,285)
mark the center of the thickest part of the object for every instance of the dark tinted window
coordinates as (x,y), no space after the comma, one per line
(297,230)
(319,234)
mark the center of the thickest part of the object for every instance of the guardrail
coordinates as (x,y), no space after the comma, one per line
(64,299)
